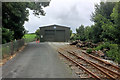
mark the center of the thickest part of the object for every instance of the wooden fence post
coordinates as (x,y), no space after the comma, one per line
(12,48)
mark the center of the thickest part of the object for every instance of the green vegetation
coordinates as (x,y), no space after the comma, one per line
(111,50)
(73,37)
(71,33)
(7,35)
(89,51)
(80,32)
(105,45)
(14,14)
(37,32)
(106,29)
(29,37)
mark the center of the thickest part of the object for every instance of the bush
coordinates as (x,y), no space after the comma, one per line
(113,50)
(89,51)
(7,35)
(106,45)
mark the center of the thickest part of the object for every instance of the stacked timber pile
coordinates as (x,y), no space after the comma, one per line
(88,45)
(80,44)
(74,42)
(99,53)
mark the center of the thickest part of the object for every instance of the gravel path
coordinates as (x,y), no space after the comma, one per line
(37,60)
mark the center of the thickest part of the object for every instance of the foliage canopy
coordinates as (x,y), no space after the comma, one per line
(14,14)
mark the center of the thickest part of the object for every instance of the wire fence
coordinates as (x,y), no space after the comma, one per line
(11,47)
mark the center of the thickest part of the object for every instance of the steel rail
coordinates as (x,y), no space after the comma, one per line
(118,74)
(101,60)
(73,53)
(107,63)
(101,66)
(89,72)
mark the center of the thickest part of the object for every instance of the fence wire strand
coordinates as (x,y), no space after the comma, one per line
(11,47)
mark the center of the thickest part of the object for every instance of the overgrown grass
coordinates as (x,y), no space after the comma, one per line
(89,50)
(29,37)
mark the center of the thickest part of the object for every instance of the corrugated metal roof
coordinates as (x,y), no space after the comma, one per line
(54,25)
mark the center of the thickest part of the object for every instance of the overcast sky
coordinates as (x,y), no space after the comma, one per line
(71,13)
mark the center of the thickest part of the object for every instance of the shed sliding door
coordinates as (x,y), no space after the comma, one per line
(60,35)
(49,35)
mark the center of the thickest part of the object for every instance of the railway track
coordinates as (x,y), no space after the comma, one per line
(93,58)
(98,70)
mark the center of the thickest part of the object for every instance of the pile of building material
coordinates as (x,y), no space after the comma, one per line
(74,42)
(99,53)
(87,45)
(80,44)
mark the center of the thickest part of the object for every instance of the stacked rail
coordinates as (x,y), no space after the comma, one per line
(99,70)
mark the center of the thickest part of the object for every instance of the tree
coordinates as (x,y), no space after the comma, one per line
(7,35)
(115,16)
(15,14)
(80,32)
(111,28)
(70,33)
(37,32)
(105,9)
(100,17)
(87,33)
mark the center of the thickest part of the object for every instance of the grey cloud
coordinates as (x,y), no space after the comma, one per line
(70,13)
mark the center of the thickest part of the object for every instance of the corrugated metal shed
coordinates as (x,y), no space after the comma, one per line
(54,33)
